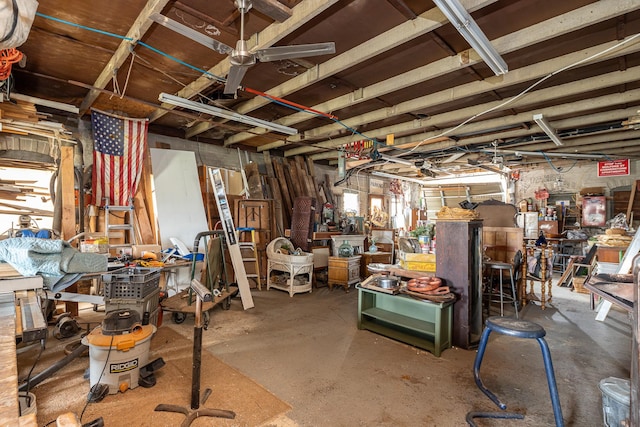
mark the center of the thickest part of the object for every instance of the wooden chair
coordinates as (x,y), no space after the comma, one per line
(320,261)
(384,246)
(544,277)
(581,269)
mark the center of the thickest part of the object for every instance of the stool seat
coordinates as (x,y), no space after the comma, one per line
(515,327)
(498,265)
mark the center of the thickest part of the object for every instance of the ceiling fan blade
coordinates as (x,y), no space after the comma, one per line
(296,51)
(236,73)
(191,33)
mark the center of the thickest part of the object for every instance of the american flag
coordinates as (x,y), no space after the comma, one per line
(119,147)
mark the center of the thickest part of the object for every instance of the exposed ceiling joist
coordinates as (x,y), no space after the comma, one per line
(537,33)
(137,30)
(302,13)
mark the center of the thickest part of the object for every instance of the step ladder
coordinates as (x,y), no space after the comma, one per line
(231,237)
(124,230)
(250,248)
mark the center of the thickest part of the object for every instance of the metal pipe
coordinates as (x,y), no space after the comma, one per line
(37,379)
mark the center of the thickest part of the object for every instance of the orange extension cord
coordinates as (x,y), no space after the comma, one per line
(8,57)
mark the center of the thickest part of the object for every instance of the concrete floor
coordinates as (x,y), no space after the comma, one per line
(308,351)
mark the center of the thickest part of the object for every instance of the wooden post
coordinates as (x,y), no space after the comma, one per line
(67,176)
(632,197)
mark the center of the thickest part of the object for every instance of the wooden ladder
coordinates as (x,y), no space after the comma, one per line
(116,230)
(231,237)
(250,248)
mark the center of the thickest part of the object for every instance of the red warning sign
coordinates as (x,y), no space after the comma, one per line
(613,168)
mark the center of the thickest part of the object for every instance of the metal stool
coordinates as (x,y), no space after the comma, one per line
(500,268)
(519,329)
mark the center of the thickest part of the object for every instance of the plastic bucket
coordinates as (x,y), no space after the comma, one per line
(116,360)
(616,400)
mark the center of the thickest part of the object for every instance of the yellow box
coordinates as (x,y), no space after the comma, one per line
(408,256)
(429,267)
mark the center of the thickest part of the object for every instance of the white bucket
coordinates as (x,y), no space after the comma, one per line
(116,360)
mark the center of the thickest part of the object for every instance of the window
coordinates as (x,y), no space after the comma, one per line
(397,212)
(351,203)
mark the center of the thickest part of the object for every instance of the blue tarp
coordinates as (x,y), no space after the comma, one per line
(56,261)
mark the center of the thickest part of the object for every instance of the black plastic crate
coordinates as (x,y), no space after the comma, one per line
(131,282)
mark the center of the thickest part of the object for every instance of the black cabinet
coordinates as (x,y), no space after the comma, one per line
(459,264)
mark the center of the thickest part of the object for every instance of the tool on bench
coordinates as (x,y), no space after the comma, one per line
(202,295)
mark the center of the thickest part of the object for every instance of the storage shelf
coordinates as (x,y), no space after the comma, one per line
(423,324)
(411,323)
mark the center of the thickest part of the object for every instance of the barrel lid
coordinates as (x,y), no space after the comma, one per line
(618,389)
(120,342)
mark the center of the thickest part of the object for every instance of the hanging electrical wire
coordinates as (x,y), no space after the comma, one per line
(280,101)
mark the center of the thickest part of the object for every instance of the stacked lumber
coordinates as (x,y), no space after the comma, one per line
(296,178)
(20,191)
(19,111)
(21,118)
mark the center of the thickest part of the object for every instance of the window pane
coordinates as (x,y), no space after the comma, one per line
(351,203)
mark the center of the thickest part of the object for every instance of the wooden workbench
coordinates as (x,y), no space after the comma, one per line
(8,367)
(9,406)
(9,409)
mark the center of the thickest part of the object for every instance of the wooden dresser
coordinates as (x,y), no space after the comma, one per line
(344,271)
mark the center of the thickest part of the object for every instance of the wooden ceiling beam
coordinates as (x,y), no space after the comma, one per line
(570,123)
(425,23)
(514,77)
(537,33)
(273,9)
(458,116)
(140,26)
(577,107)
(226,25)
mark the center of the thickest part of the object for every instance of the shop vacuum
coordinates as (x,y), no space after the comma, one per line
(119,354)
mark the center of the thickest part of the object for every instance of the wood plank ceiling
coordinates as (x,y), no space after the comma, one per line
(400,68)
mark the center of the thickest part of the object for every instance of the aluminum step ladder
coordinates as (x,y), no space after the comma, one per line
(249,252)
(120,230)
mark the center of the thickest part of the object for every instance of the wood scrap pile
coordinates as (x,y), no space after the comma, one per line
(19,111)
(20,191)
(287,179)
(22,118)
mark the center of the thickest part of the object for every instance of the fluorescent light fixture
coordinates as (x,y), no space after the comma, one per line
(400,177)
(396,160)
(546,128)
(225,114)
(555,154)
(469,29)
(469,178)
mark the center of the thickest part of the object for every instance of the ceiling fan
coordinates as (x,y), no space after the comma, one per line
(240,57)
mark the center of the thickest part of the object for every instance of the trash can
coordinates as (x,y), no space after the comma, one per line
(616,400)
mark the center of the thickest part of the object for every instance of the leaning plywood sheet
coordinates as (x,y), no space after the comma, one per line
(178,199)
